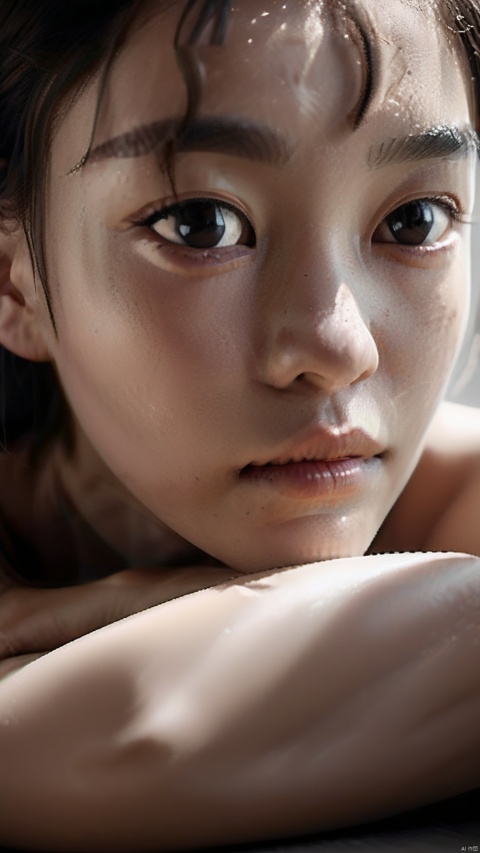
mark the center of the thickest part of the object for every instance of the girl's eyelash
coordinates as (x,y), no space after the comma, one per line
(446,202)
(171,209)
(449,205)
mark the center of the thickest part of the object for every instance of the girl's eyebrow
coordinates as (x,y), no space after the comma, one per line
(433,144)
(240,138)
(234,136)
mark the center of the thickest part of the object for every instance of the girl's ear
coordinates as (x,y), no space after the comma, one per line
(22,315)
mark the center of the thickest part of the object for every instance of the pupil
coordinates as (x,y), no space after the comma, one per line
(412,223)
(201,225)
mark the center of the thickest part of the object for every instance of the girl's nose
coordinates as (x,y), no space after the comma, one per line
(320,336)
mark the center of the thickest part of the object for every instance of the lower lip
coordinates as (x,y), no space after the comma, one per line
(310,479)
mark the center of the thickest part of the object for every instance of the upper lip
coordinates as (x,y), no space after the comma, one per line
(324,445)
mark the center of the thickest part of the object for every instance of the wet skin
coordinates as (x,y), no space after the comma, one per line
(264,398)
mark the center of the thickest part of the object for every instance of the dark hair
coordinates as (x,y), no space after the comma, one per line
(48,50)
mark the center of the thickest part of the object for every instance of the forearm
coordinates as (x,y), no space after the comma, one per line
(299,700)
(34,621)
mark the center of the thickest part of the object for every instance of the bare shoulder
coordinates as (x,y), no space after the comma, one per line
(454,433)
(439,508)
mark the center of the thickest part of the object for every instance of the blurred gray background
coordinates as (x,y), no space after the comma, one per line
(465,384)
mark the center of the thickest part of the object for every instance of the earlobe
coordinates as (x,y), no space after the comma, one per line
(21,315)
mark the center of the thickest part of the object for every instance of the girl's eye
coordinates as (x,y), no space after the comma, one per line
(418,223)
(202,224)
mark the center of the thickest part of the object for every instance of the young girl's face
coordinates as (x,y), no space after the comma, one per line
(256,358)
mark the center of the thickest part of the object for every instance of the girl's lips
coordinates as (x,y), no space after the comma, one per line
(311,478)
(323,445)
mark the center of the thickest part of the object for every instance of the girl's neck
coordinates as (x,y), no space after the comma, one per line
(114,514)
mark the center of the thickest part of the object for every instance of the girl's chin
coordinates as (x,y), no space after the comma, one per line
(294,557)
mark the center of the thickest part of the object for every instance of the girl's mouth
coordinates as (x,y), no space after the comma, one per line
(323,462)
(310,478)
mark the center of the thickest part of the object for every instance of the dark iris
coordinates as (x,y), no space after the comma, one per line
(200,224)
(411,224)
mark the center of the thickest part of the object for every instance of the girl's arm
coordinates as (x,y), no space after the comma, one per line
(276,704)
(36,621)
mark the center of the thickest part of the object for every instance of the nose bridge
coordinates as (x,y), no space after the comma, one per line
(318,323)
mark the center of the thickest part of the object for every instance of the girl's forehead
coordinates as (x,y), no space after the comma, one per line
(293,65)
